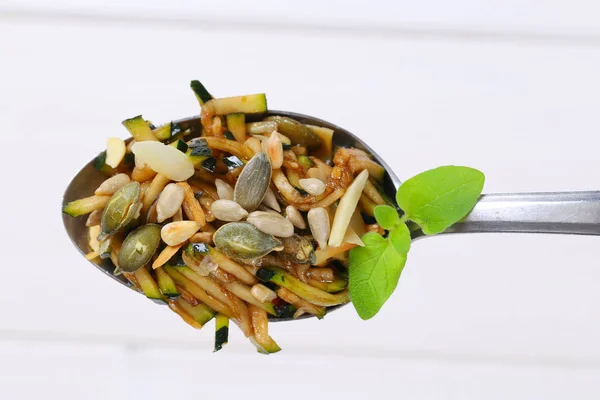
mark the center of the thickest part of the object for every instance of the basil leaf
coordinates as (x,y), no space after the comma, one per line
(386,216)
(374,273)
(400,238)
(438,198)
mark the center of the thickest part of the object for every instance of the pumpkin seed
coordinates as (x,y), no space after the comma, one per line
(228,210)
(320,227)
(243,241)
(121,209)
(253,182)
(271,223)
(139,247)
(297,132)
(298,249)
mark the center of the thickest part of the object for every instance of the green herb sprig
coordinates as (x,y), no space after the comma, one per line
(434,200)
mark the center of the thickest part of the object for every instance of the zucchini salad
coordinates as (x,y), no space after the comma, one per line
(243,217)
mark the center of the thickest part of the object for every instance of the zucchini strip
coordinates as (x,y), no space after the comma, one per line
(239,150)
(231,266)
(206,284)
(85,206)
(191,207)
(302,290)
(236,123)
(200,91)
(325,151)
(367,205)
(243,292)
(221,331)
(248,104)
(166,285)
(301,304)
(176,307)
(166,254)
(139,129)
(372,193)
(186,296)
(198,292)
(201,313)
(147,284)
(337,285)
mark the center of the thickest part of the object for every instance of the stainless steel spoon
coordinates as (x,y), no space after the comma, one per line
(565,213)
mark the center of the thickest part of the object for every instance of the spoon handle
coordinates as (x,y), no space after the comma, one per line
(567,213)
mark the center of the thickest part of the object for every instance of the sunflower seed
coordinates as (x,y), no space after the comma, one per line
(169,201)
(228,210)
(295,217)
(318,220)
(175,233)
(253,182)
(243,241)
(270,200)
(224,189)
(271,223)
(94,218)
(112,184)
(312,186)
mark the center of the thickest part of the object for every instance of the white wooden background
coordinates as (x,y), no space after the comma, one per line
(510,87)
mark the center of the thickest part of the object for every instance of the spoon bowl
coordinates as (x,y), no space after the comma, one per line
(89,178)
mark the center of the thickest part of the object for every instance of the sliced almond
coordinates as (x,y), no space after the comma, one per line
(166,160)
(346,208)
(115,151)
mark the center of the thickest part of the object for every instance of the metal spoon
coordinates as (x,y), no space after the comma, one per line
(567,212)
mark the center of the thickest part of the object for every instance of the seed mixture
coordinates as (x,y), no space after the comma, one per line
(244,218)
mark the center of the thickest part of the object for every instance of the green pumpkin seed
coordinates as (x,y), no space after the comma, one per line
(139,247)
(243,241)
(253,182)
(120,210)
(298,249)
(297,132)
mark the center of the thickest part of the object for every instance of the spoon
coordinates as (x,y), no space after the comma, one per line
(561,212)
